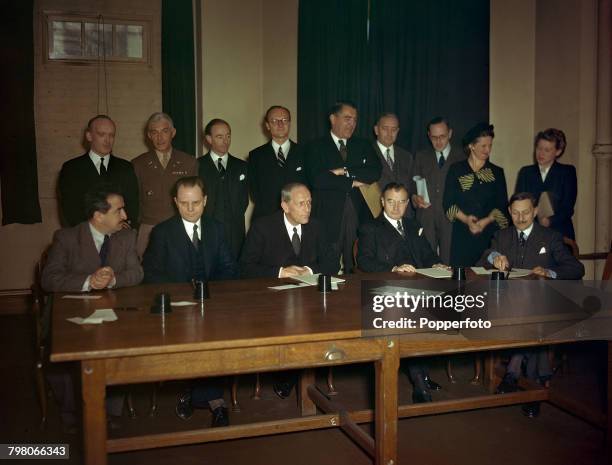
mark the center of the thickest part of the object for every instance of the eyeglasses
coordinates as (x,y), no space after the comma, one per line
(279,121)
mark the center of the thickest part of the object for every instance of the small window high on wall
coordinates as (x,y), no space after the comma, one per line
(91,38)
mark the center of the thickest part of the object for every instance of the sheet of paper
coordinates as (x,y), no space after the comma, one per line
(311,279)
(435,272)
(284,287)
(481,270)
(81,296)
(421,185)
(85,321)
(99,316)
(515,273)
(182,303)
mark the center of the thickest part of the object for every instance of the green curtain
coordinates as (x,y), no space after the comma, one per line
(18,167)
(421,59)
(178,71)
(332,60)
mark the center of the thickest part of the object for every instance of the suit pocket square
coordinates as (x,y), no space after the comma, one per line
(299,168)
(420,231)
(364,161)
(542,250)
(242,177)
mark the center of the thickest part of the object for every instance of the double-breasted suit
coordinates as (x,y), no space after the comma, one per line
(228,196)
(267,177)
(436,226)
(73,257)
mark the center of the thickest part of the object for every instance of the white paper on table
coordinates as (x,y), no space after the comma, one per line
(421,186)
(182,303)
(515,273)
(81,296)
(284,287)
(435,272)
(96,318)
(481,270)
(311,279)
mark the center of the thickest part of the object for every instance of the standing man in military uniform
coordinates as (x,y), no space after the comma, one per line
(157,171)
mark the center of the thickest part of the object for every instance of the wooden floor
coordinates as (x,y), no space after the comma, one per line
(494,436)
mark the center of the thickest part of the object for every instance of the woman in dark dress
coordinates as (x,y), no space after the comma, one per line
(475,198)
(558,179)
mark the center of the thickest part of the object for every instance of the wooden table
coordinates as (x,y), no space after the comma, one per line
(247,328)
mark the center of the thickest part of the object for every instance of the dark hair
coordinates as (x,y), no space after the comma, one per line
(288,188)
(552,135)
(97,117)
(276,107)
(478,131)
(523,196)
(387,115)
(212,122)
(438,120)
(394,186)
(189,181)
(337,107)
(96,198)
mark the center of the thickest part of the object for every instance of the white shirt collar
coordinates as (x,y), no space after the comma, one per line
(189,228)
(526,231)
(383,150)
(215,156)
(337,140)
(285,145)
(445,152)
(391,220)
(98,237)
(290,227)
(95,158)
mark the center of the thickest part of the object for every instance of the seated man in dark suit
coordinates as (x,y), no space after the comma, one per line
(527,244)
(287,243)
(395,243)
(187,247)
(95,254)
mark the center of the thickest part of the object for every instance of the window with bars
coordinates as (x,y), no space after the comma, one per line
(90,38)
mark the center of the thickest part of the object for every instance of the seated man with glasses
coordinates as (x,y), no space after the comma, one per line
(394,243)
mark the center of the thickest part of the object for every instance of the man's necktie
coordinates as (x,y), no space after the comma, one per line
(221,168)
(104,250)
(522,239)
(343,151)
(295,241)
(400,228)
(441,160)
(389,159)
(280,158)
(102,167)
(195,239)
(165,160)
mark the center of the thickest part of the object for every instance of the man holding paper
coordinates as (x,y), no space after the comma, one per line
(430,169)
(527,244)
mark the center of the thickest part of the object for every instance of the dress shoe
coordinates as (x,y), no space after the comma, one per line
(508,384)
(420,396)
(282,390)
(183,409)
(431,384)
(531,410)
(219,417)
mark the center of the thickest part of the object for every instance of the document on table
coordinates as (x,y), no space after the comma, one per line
(96,318)
(421,185)
(284,287)
(182,303)
(435,272)
(311,279)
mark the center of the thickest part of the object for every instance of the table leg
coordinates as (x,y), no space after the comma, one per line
(93,383)
(386,404)
(306,378)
